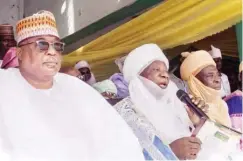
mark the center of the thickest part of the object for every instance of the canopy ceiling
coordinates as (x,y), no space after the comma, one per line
(171,24)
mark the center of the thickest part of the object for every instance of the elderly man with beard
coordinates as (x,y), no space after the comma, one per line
(49,116)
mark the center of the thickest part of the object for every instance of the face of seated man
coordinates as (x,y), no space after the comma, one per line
(210,77)
(86,73)
(157,72)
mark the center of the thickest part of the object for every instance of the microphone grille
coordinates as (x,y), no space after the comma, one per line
(181,94)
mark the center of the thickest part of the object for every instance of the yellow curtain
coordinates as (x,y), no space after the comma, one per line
(172,23)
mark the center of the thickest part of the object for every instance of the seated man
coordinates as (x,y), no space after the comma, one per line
(204,81)
(153,110)
(49,116)
(86,73)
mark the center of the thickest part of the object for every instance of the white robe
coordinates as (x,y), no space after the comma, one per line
(162,108)
(69,122)
(225,86)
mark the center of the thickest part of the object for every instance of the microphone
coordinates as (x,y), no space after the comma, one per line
(184,97)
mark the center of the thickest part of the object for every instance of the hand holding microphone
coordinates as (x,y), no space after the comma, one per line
(199,103)
(196,107)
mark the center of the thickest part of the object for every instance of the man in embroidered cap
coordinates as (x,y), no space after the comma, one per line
(55,117)
(85,70)
(6,39)
(217,57)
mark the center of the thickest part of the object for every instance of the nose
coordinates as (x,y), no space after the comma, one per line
(51,51)
(164,74)
(217,79)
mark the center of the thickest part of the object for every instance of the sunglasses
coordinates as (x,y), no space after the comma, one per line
(44,45)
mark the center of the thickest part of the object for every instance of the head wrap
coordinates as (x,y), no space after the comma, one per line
(10,60)
(41,23)
(194,62)
(6,30)
(105,86)
(240,67)
(120,62)
(190,67)
(159,106)
(140,58)
(82,64)
(215,52)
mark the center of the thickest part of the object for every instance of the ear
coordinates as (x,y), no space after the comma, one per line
(19,53)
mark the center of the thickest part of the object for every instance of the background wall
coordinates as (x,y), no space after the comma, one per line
(11,11)
(73,15)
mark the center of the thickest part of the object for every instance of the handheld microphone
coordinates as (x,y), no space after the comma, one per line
(184,97)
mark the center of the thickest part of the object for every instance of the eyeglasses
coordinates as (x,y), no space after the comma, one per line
(44,45)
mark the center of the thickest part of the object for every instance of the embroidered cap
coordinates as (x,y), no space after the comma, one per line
(6,30)
(41,23)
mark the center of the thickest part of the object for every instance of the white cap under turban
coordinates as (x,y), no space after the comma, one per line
(140,58)
(215,52)
(82,64)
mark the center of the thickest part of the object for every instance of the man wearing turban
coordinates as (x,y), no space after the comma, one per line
(203,79)
(153,110)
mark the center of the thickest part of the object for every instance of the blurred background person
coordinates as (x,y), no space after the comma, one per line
(119,81)
(217,57)
(85,71)
(6,39)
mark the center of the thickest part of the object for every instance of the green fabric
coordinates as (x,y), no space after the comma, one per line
(239,38)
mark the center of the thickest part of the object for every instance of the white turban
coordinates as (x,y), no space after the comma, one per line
(140,58)
(82,64)
(215,52)
(160,106)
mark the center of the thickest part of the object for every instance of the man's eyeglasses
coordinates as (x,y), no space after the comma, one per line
(44,45)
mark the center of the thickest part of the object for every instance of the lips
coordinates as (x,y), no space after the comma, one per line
(163,85)
(50,64)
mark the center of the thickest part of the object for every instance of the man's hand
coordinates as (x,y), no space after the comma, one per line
(186,148)
(200,104)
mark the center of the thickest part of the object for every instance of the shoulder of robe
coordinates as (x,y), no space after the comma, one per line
(224,76)
(77,86)
(6,74)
